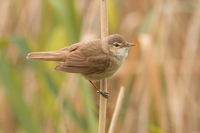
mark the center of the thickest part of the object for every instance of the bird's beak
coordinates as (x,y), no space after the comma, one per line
(130,44)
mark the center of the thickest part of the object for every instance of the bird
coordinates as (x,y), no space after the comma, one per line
(95,60)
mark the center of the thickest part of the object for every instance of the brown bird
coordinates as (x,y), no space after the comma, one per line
(95,60)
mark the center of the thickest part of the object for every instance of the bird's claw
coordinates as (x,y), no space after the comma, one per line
(104,94)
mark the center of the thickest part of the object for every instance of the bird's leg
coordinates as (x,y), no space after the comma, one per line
(105,94)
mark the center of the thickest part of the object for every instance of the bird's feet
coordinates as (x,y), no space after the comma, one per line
(104,94)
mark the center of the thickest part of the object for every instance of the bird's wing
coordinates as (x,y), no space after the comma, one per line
(85,61)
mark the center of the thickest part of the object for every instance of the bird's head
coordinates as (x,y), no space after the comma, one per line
(117,45)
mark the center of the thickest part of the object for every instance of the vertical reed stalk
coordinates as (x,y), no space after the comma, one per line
(103,83)
(117,110)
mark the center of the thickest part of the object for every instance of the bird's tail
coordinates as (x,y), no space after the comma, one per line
(45,56)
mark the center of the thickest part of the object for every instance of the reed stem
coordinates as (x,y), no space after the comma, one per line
(103,83)
(117,110)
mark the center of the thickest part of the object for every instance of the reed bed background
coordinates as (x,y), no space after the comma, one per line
(161,74)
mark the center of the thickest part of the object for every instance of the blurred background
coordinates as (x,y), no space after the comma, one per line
(161,75)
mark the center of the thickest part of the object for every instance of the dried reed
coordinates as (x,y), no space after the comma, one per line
(103,83)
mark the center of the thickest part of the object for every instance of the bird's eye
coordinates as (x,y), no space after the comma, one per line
(116,44)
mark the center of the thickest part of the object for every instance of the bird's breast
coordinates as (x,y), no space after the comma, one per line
(113,67)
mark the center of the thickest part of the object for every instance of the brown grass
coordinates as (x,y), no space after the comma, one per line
(161,74)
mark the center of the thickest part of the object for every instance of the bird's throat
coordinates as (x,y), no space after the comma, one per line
(122,53)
